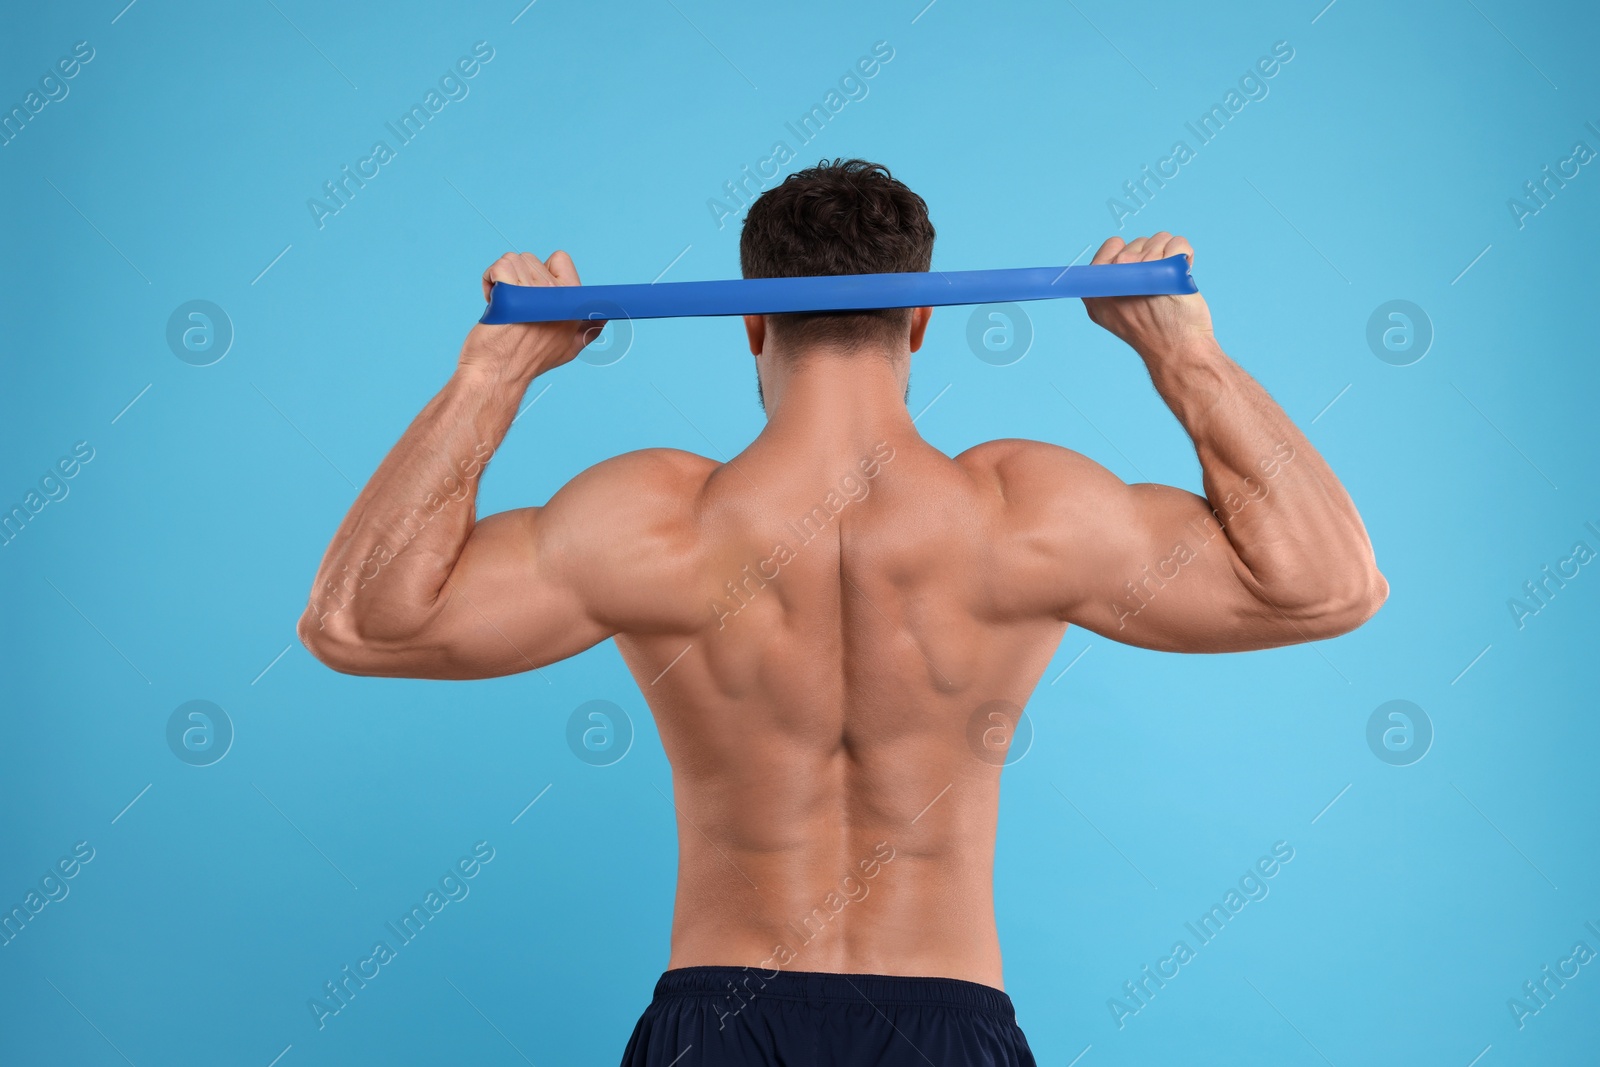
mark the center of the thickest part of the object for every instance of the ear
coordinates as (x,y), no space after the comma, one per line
(919,325)
(755,328)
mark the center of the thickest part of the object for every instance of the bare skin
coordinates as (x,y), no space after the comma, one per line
(820,625)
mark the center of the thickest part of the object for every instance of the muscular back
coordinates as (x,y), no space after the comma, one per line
(835,628)
(839,693)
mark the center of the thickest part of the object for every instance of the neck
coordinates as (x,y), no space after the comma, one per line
(825,401)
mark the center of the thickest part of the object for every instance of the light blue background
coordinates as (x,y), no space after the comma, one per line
(1378,168)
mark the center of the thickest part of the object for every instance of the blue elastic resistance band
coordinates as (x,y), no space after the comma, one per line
(840,292)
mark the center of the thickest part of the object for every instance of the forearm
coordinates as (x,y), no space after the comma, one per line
(383,574)
(1281,508)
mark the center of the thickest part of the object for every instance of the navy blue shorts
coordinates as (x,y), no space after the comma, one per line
(709,1016)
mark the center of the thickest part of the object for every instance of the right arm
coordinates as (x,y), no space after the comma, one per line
(414,584)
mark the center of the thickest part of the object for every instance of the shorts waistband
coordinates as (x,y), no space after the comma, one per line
(750,983)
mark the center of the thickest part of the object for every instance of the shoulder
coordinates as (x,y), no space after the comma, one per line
(649,482)
(632,505)
(662,468)
(637,501)
(627,533)
(1047,497)
(1020,471)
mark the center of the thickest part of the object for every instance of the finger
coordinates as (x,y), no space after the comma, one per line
(517,268)
(1180,246)
(563,269)
(504,269)
(1156,247)
(1131,251)
(1108,250)
(535,270)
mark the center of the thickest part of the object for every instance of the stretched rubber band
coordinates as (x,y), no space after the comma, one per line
(839,292)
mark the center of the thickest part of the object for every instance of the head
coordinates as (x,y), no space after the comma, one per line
(844,217)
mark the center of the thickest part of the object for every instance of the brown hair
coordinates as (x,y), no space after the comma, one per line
(844,217)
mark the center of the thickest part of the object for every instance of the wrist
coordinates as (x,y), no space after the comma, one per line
(1192,376)
(491,376)
(1193,346)
(484,363)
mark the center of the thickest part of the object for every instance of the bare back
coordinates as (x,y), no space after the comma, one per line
(837,722)
(837,629)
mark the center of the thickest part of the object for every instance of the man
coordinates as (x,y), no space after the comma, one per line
(836,629)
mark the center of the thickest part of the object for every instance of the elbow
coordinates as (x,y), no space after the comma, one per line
(1352,601)
(335,642)
(367,639)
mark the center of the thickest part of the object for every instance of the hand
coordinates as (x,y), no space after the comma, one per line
(1151,325)
(518,351)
